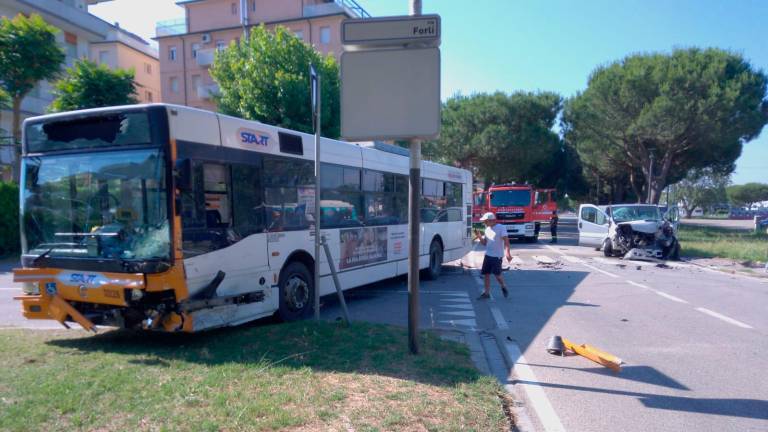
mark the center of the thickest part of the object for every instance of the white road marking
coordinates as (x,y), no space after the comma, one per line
(639,285)
(458,300)
(600,270)
(517,260)
(457,294)
(547,416)
(724,318)
(466,313)
(670,297)
(470,322)
(499,318)
(459,306)
(555,250)
(573,259)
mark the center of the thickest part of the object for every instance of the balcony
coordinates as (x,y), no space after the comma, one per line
(205,56)
(350,7)
(207,91)
(171,27)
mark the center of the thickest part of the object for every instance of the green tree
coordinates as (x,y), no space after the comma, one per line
(701,188)
(501,137)
(90,85)
(748,194)
(28,55)
(690,109)
(266,78)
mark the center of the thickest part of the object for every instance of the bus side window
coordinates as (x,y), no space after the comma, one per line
(206,210)
(248,202)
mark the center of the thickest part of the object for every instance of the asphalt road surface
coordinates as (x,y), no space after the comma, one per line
(694,341)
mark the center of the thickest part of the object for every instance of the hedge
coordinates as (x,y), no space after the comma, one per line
(9,218)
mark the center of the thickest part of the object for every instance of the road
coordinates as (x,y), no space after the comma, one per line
(694,341)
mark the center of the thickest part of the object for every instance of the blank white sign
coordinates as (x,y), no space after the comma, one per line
(390,94)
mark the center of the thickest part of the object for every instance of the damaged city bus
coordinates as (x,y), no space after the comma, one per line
(171,218)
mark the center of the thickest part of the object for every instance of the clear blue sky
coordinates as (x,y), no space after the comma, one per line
(553,45)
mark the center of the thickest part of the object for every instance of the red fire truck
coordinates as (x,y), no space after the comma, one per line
(520,207)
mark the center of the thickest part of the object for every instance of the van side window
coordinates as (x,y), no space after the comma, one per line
(589,214)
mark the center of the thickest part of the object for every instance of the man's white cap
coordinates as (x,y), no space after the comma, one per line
(488,216)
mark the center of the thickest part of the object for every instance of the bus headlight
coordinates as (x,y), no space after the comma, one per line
(31,288)
(136,294)
(528,226)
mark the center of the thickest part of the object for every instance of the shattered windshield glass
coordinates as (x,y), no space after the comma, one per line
(633,213)
(109,205)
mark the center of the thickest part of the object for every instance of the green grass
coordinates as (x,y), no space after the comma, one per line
(299,376)
(711,242)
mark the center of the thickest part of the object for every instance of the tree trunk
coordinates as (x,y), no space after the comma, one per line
(16,163)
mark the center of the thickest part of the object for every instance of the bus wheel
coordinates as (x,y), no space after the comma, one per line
(435,261)
(296,292)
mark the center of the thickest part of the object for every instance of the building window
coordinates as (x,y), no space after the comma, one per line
(300,34)
(253,5)
(325,35)
(174,83)
(172,53)
(70,48)
(234,8)
(221,45)
(195,49)
(197,83)
(149,96)
(103,56)
(148,68)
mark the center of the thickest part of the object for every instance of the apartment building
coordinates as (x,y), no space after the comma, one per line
(81,35)
(187,45)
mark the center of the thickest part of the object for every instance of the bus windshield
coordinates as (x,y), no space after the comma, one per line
(100,205)
(508,198)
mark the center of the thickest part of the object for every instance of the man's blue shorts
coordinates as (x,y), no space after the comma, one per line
(491,265)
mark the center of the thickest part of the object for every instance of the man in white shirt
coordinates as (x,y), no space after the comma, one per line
(496,243)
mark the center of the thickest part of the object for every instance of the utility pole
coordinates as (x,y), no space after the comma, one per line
(414,226)
(650,178)
(316,116)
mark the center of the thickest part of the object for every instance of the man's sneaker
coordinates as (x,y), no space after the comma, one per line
(505,292)
(484,296)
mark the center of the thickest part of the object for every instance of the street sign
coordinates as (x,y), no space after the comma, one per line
(391,31)
(390,94)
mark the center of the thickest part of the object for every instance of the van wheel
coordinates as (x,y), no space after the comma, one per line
(435,261)
(296,292)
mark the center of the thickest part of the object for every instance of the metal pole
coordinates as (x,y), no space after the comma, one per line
(650,179)
(414,226)
(336,283)
(317,117)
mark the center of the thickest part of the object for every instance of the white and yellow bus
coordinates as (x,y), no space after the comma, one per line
(172,218)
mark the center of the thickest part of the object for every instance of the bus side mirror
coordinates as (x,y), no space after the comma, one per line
(182,174)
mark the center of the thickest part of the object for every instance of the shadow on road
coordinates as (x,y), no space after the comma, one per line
(644,374)
(746,408)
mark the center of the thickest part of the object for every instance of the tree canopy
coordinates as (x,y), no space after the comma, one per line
(748,194)
(28,55)
(693,108)
(90,85)
(266,78)
(502,137)
(701,189)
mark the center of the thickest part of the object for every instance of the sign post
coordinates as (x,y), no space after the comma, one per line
(390,89)
(316,118)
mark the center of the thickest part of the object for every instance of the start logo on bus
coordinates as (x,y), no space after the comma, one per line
(253,138)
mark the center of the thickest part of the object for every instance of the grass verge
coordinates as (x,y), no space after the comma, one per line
(711,242)
(299,377)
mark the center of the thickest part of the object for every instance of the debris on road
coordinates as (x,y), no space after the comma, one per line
(559,345)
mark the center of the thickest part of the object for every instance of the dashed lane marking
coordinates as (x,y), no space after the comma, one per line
(639,285)
(670,297)
(600,270)
(724,318)
(499,318)
(459,306)
(464,313)
(470,322)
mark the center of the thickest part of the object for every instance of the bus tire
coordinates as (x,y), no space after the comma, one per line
(296,292)
(435,261)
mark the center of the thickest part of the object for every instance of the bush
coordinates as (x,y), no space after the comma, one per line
(9,218)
